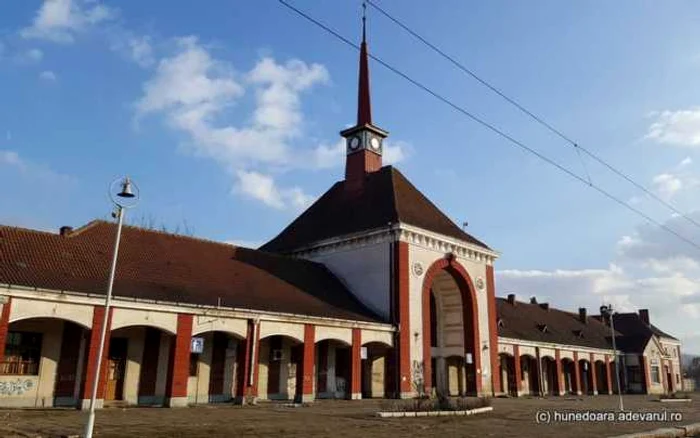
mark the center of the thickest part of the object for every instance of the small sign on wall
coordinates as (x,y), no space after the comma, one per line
(469,358)
(197,345)
(363,352)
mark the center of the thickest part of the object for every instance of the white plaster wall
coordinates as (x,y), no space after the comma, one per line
(132,317)
(201,390)
(263,368)
(548,352)
(203,324)
(566,354)
(134,356)
(505,348)
(335,333)
(42,386)
(386,338)
(475,269)
(270,328)
(526,349)
(366,272)
(22,308)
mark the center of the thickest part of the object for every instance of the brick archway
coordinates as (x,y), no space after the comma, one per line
(470,312)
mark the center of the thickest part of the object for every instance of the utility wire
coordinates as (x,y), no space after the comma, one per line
(490,126)
(536,118)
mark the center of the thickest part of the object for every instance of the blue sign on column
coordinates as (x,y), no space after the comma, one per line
(197,345)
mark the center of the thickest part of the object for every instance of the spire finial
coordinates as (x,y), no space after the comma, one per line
(364,112)
(364,20)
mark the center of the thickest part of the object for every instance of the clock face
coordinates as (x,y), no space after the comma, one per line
(354,143)
(375,143)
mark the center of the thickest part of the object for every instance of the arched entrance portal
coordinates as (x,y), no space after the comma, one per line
(450,331)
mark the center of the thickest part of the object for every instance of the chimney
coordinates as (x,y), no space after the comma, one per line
(511,299)
(545,306)
(582,315)
(533,300)
(65,230)
(644,315)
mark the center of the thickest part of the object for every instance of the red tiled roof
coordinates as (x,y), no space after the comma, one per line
(167,267)
(387,197)
(525,320)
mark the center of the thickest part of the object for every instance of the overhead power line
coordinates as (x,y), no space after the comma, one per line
(535,117)
(490,127)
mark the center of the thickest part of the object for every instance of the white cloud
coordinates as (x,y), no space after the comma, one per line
(246,243)
(31,56)
(141,50)
(652,269)
(60,20)
(11,158)
(13,161)
(677,128)
(327,156)
(667,185)
(47,75)
(263,188)
(194,90)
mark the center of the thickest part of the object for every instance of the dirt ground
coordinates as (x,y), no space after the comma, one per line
(510,418)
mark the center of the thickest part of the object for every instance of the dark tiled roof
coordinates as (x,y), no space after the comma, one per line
(161,266)
(636,333)
(525,321)
(387,197)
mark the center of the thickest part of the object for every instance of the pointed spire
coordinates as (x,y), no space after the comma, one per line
(364,107)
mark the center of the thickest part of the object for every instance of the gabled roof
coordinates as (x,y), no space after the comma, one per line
(525,321)
(167,267)
(636,333)
(387,198)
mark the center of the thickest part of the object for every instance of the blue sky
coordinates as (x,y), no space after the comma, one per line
(227,116)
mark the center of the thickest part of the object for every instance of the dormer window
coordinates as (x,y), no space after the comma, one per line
(542,327)
(500,322)
(578,333)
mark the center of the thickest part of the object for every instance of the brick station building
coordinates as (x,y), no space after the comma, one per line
(371,292)
(547,351)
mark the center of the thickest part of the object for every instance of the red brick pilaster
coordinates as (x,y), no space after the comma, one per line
(594,378)
(4,326)
(559,371)
(609,374)
(493,328)
(98,318)
(577,374)
(356,365)
(402,302)
(518,370)
(178,366)
(308,362)
(647,373)
(243,386)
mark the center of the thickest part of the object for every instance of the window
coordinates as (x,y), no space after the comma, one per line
(22,354)
(655,375)
(194,360)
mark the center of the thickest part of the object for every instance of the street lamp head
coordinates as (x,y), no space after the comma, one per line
(126,192)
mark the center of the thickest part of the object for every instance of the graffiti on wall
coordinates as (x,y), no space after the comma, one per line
(418,377)
(15,387)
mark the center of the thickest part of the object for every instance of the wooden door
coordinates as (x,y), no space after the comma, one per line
(116,367)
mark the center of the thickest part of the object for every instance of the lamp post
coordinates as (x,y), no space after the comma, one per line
(121,201)
(607,311)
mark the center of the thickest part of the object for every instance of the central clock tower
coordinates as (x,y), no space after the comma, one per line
(364,141)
